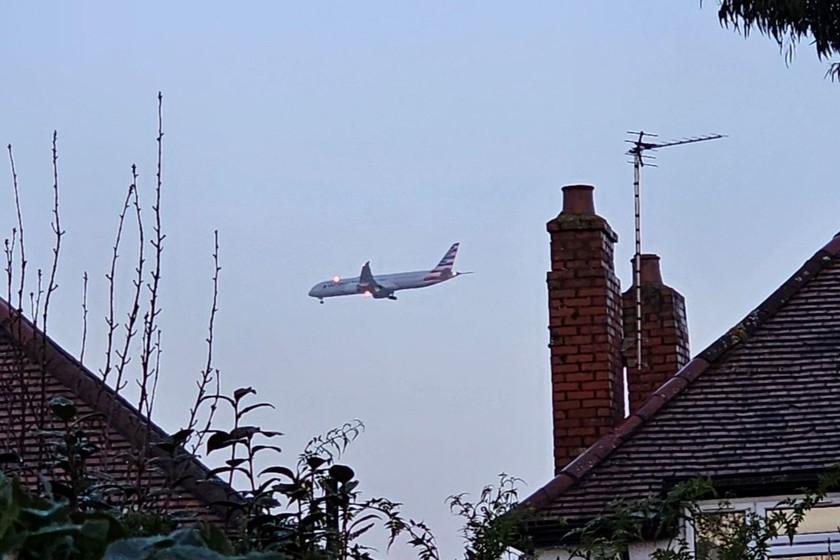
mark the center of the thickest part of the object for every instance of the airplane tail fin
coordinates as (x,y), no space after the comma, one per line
(448,260)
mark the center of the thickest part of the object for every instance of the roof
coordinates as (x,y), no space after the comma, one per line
(761,401)
(29,361)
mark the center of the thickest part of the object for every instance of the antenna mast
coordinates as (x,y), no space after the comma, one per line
(640,146)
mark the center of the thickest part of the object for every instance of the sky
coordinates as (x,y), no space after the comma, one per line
(316,136)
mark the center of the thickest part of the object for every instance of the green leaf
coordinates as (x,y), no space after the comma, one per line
(219,440)
(259,521)
(244,432)
(181,436)
(97,532)
(248,409)
(215,538)
(63,408)
(312,518)
(262,447)
(239,393)
(10,503)
(139,548)
(51,511)
(9,457)
(285,471)
(342,473)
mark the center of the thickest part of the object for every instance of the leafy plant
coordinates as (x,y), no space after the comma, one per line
(312,511)
(66,474)
(39,528)
(495,522)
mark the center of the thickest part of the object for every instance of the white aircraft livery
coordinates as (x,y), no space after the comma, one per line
(384,285)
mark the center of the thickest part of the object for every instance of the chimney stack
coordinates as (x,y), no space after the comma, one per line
(585,327)
(664,333)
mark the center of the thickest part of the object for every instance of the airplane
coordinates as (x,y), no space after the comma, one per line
(384,285)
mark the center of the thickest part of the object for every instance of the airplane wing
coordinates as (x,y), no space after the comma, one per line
(368,284)
(366,280)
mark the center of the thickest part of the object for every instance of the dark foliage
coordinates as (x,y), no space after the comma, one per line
(494,523)
(788,22)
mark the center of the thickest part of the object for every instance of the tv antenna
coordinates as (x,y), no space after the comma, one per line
(640,146)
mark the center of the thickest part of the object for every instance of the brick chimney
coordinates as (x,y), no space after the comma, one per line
(664,333)
(585,327)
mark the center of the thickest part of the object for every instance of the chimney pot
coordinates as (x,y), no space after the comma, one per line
(650,272)
(578,199)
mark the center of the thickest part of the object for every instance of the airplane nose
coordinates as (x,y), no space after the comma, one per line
(312,291)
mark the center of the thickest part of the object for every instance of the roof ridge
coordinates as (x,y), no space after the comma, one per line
(595,454)
(123,416)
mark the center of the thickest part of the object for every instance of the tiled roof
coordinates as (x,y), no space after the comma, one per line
(30,362)
(764,399)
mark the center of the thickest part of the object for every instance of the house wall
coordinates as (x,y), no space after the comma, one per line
(637,551)
(817,534)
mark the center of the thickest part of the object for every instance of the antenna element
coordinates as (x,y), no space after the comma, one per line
(640,146)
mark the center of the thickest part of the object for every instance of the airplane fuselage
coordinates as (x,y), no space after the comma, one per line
(391,283)
(384,285)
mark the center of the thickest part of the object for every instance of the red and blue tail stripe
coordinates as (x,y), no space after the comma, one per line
(444,267)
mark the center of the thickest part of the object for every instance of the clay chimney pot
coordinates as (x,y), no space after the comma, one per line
(578,199)
(650,272)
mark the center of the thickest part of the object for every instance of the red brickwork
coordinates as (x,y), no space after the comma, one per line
(584,327)
(664,334)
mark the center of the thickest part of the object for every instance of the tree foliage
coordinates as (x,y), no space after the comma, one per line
(788,22)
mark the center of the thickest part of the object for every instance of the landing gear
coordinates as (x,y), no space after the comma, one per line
(392,297)
(321,301)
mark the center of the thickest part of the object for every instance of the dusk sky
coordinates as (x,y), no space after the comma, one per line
(316,136)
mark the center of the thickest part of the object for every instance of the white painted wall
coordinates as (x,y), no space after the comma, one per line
(637,551)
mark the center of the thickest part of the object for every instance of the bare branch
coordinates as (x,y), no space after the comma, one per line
(84,316)
(150,318)
(209,372)
(20,229)
(56,227)
(110,320)
(133,314)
